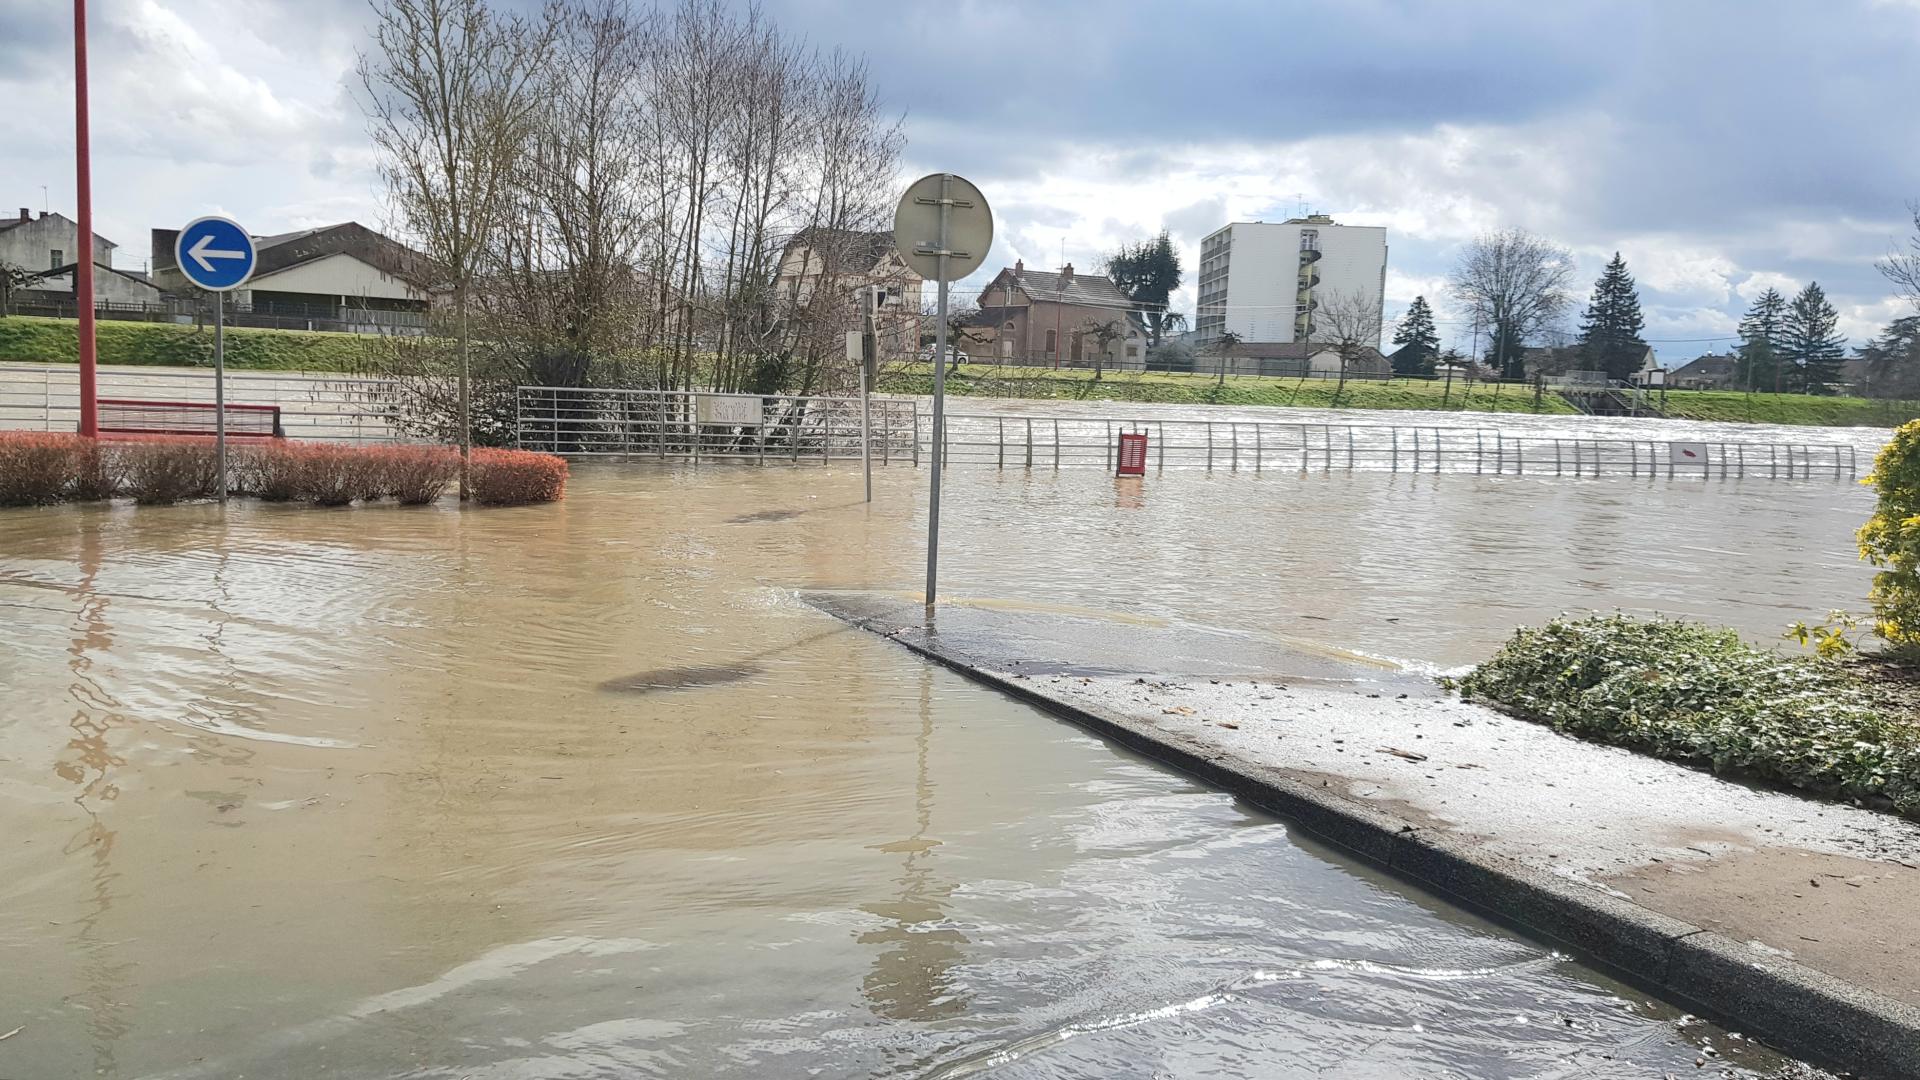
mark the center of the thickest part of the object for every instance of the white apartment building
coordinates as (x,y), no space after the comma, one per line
(1262,281)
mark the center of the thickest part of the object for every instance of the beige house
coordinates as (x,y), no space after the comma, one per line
(1044,318)
(847,264)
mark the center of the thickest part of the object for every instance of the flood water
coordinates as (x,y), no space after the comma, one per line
(585,791)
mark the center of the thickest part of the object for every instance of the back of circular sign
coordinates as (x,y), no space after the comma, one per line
(916,226)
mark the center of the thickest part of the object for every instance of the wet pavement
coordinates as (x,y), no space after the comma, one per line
(587,791)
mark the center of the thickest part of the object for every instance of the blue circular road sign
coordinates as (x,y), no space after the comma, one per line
(214,253)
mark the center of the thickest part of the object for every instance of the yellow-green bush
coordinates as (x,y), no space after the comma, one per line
(1890,539)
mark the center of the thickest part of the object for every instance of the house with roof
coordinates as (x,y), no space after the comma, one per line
(345,273)
(1055,318)
(49,246)
(1707,372)
(1291,360)
(841,267)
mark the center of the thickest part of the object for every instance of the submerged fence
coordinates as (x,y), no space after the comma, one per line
(773,428)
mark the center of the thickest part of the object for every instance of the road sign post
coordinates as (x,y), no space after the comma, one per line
(216,254)
(942,229)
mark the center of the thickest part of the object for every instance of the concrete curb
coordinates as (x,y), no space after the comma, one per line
(1787,1005)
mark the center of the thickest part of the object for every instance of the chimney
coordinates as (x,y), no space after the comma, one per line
(1019,265)
(1066,274)
(43,215)
(26,214)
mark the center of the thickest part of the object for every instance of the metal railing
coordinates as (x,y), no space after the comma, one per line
(1259,446)
(775,429)
(701,426)
(46,397)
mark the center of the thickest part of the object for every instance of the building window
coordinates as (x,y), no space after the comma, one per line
(1053,342)
(56,260)
(1133,351)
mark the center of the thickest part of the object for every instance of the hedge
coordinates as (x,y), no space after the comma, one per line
(1701,695)
(38,469)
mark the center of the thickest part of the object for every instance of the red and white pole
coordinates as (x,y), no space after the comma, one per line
(83,266)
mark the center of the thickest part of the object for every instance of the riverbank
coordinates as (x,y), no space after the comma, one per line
(973,380)
(1798,921)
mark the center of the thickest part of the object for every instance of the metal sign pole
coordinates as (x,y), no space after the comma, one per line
(939,396)
(869,354)
(220,390)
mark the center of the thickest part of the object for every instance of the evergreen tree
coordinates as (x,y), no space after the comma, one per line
(1811,347)
(1610,330)
(1893,360)
(1419,338)
(1148,272)
(1759,367)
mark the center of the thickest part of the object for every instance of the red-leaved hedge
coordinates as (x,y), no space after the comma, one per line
(161,471)
(515,477)
(37,468)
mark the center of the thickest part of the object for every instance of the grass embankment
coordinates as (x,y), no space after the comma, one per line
(28,339)
(1795,409)
(976,380)
(1700,695)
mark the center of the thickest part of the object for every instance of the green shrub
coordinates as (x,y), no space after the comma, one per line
(1701,695)
(1890,539)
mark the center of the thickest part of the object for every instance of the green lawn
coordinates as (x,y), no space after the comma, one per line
(1802,409)
(1045,383)
(36,340)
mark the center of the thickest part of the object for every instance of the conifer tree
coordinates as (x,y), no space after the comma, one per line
(1610,330)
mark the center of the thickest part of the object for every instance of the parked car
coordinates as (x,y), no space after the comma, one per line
(959,355)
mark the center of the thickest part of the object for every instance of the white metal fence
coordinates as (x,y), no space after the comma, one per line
(674,425)
(1257,446)
(712,427)
(46,397)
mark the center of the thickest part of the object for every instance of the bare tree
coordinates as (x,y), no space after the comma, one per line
(1902,268)
(1222,349)
(561,287)
(1350,322)
(1104,334)
(447,93)
(1516,282)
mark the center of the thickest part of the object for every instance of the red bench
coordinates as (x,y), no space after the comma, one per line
(120,416)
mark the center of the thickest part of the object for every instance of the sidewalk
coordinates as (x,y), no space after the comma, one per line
(1797,919)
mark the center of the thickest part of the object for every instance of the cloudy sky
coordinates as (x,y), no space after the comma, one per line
(1721,145)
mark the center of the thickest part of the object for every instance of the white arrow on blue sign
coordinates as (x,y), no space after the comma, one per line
(214,253)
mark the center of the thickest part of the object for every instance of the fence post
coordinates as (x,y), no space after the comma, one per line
(1000,441)
(1056,444)
(1209,424)
(1836,463)
(1416,449)
(1257,454)
(1438,444)
(1029,442)
(1234,431)
(1479,451)
(1556,457)
(1326,448)
(1161,426)
(1349,447)
(1395,467)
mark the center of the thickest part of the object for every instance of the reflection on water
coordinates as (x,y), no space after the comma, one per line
(582,791)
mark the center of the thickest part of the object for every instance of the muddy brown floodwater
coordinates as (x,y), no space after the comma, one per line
(585,791)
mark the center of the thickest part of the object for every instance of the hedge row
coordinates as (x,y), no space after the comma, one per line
(1698,694)
(37,469)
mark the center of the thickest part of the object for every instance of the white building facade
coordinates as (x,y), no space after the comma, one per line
(1262,281)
